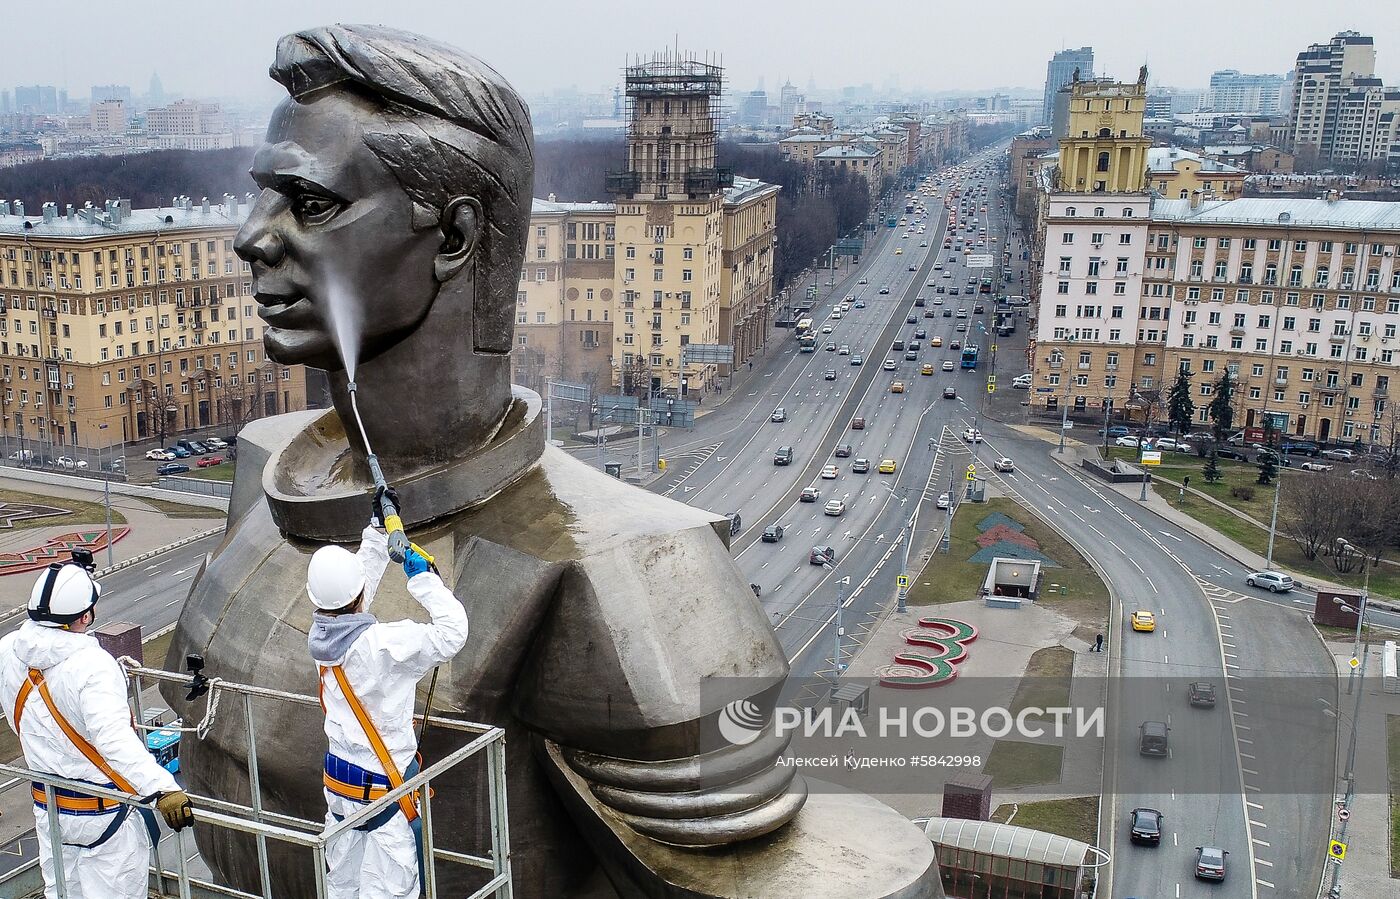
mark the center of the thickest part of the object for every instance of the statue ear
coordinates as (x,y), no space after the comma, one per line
(461,225)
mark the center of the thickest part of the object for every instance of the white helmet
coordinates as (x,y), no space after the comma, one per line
(62,594)
(334,578)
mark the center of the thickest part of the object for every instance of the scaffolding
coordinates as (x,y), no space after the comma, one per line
(673,107)
(263,825)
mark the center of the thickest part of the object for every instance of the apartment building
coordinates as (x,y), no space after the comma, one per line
(1341,112)
(1173,172)
(116,318)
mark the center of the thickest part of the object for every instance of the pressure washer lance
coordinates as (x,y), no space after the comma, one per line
(399,544)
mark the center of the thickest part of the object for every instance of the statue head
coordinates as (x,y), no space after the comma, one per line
(397,172)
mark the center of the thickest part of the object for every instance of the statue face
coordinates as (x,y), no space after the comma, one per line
(330,239)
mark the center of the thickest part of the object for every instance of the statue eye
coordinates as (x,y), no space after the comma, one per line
(315,209)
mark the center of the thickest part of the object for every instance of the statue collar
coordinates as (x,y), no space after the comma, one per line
(315,493)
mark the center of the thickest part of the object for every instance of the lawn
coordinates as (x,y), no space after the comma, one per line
(1175,466)
(222,472)
(1013,764)
(1392,745)
(952,578)
(1046,682)
(1076,818)
(80,511)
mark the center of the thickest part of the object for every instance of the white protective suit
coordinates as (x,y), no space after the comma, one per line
(383,665)
(89,689)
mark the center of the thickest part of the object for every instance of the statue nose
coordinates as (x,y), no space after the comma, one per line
(259,244)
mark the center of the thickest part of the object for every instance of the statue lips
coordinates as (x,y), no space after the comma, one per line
(288,311)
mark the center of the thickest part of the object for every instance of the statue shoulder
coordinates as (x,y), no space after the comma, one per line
(258,441)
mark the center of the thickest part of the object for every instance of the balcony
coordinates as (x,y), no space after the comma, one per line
(1337,338)
(1330,389)
(1281,381)
(1084,366)
(1237,332)
(1055,363)
(1112,366)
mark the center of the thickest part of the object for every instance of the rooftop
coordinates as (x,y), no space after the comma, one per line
(847,152)
(1009,841)
(1164,159)
(1345,214)
(745,189)
(551,206)
(117,217)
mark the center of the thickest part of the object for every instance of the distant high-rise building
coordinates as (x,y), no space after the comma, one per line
(788,98)
(155,94)
(1322,76)
(1232,91)
(753,108)
(103,93)
(37,99)
(5,102)
(1060,71)
(108,117)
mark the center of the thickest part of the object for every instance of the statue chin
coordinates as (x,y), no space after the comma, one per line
(301,348)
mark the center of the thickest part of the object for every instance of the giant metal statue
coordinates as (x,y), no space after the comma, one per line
(389,234)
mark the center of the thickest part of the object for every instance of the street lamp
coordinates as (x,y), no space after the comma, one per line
(1344,546)
(1064,411)
(840,631)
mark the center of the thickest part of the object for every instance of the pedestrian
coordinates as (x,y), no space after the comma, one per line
(369,672)
(66,697)
(1098,643)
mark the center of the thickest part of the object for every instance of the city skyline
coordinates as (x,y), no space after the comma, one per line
(915,50)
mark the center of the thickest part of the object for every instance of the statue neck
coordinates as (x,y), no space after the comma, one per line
(429,399)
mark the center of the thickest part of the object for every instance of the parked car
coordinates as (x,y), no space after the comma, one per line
(1201,694)
(860,466)
(1340,455)
(1145,826)
(71,464)
(1315,466)
(1133,442)
(842,451)
(178,452)
(1227,452)
(773,533)
(155,455)
(214,443)
(1116,431)
(172,468)
(835,507)
(822,555)
(210,461)
(1363,474)
(1021,382)
(1300,447)
(1273,581)
(944,500)
(1268,455)
(1210,863)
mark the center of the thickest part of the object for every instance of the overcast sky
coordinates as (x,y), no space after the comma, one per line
(223,47)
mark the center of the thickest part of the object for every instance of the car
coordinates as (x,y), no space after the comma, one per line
(954,290)
(1273,581)
(1021,382)
(194,446)
(947,313)
(950,392)
(900,251)
(896,387)
(1152,739)
(939,289)
(1226,452)
(913,268)
(735,523)
(884,290)
(962,327)
(962,312)
(1315,466)
(1201,694)
(926,368)
(1210,863)
(936,341)
(172,468)
(887,466)
(836,315)
(858,423)
(1176,446)
(1363,474)
(863,281)
(919,300)
(810,494)
(860,466)
(858,304)
(783,456)
(1340,455)
(70,463)
(1133,442)
(830,374)
(821,555)
(925,243)
(1117,431)
(947,274)
(210,461)
(890,365)
(1145,826)
(971,435)
(779,415)
(831,347)
(1144,621)
(978,308)
(843,350)
(215,443)
(911,355)
(910,319)
(1004,464)
(947,364)
(1269,455)
(773,533)
(920,334)
(944,500)
(156,455)
(857,360)
(842,451)
(1300,447)
(179,452)
(834,507)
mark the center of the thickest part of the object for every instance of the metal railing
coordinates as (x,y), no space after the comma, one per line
(264,825)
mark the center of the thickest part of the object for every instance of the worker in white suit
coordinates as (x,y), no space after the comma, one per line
(369,674)
(65,696)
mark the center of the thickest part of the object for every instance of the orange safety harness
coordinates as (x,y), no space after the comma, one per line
(35,679)
(409,802)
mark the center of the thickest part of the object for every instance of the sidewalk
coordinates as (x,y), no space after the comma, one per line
(1366,871)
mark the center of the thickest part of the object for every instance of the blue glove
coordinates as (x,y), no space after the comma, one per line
(414,564)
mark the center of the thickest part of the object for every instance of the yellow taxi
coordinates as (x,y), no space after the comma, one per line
(899,251)
(926,369)
(936,341)
(1144,620)
(897,387)
(887,466)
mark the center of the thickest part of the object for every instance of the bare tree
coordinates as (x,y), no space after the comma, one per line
(1312,509)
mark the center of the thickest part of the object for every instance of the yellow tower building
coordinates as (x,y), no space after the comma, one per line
(1104,149)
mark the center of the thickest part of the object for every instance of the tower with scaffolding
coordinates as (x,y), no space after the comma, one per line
(672,108)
